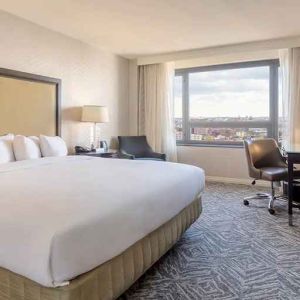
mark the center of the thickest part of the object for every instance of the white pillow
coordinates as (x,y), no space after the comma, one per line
(26,147)
(53,146)
(6,148)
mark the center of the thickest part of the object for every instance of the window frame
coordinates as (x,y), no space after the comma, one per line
(271,125)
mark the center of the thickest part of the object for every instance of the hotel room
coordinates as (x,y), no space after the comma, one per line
(149,149)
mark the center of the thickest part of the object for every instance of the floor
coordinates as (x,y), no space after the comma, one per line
(231,252)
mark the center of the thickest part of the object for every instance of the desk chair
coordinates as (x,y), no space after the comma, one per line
(137,147)
(265,162)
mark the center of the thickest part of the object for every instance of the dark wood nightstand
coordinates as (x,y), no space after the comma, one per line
(108,154)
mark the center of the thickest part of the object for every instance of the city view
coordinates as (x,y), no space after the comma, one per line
(221,96)
(221,134)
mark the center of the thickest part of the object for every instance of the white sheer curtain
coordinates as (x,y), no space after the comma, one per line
(290,72)
(156,119)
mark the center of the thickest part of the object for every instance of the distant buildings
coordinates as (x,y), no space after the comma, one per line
(222,134)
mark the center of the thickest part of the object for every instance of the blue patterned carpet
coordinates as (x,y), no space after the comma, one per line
(231,252)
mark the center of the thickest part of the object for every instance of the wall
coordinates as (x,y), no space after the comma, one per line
(226,59)
(221,164)
(89,76)
(218,51)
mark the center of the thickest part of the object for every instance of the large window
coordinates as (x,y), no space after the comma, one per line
(225,104)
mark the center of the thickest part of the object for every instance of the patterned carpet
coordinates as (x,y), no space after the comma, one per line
(231,252)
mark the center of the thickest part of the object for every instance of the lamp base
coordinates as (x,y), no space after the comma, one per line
(100,150)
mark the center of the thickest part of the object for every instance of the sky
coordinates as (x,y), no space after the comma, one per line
(226,93)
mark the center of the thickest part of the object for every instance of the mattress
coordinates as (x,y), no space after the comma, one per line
(63,217)
(112,278)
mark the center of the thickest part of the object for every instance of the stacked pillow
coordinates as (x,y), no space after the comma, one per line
(53,146)
(26,147)
(6,148)
(20,147)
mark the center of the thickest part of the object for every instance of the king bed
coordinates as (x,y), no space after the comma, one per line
(86,228)
(75,227)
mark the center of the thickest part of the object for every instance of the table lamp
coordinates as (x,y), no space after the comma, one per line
(94,114)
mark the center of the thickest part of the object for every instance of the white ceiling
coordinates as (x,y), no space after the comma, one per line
(135,28)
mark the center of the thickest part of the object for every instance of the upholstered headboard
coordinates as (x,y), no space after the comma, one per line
(29,104)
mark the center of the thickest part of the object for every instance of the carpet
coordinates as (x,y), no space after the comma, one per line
(230,252)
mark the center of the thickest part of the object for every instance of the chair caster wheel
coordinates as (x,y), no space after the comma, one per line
(271,211)
(246,202)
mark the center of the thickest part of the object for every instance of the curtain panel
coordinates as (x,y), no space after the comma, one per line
(156,118)
(289,119)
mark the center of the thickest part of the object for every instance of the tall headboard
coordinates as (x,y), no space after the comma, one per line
(29,104)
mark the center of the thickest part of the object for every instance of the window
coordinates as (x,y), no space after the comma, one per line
(178,106)
(225,104)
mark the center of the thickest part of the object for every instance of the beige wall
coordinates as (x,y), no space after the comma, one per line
(219,163)
(89,76)
(216,162)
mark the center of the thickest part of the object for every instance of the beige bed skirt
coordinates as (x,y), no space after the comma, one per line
(112,278)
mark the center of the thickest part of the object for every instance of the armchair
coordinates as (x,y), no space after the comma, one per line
(137,147)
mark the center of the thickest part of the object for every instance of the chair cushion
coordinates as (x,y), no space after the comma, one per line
(274,173)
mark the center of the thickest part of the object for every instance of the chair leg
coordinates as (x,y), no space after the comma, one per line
(256,197)
(272,199)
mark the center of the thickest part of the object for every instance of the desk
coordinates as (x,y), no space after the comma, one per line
(293,157)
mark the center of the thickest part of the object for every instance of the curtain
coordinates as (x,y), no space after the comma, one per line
(156,119)
(290,107)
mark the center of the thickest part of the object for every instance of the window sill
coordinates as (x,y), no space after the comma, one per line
(208,145)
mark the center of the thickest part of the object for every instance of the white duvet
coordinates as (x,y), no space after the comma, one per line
(61,217)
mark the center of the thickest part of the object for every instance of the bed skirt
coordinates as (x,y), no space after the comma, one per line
(112,278)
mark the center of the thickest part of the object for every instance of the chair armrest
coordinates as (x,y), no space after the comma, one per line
(157,155)
(124,154)
(254,172)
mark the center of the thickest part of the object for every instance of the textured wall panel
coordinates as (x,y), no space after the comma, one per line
(89,76)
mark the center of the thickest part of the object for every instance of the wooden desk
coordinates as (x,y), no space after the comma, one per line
(293,157)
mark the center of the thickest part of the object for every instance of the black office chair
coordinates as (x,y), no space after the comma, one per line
(137,147)
(265,162)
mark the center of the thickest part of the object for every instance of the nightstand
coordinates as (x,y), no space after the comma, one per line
(108,154)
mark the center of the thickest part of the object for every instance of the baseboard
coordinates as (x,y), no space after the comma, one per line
(236,180)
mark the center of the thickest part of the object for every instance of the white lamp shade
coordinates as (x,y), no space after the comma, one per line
(94,114)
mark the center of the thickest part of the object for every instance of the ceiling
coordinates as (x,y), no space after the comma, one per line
(134,28)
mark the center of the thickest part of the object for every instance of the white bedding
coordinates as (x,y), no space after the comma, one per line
(61,217)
